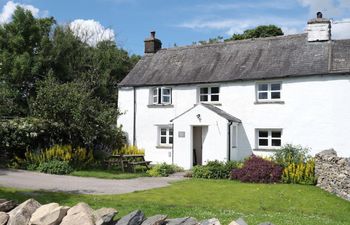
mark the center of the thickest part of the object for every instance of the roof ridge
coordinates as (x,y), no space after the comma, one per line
(232,42)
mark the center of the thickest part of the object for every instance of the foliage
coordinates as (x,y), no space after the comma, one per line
(291,154)
(86,119)
(215,170)
(69,87)
(217,39)
(223,199)
(258,32)
(129,150)
(75,157)
(258,170)
(163,170)
(300,173)
(20,134)
(55,167)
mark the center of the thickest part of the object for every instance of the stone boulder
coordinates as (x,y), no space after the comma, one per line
(50,214)
(104,216)
(240,221)
(155,220)
(7,205)
(134,218)
(22,213)
(80,214)
(212,221)
(3,218)
(182,221)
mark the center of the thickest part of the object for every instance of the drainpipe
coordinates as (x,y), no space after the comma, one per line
(172,146)
(229,124)
(134,119)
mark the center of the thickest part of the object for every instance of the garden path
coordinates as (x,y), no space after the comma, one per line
(81,185)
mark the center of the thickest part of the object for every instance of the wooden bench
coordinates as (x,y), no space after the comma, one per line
(128,162)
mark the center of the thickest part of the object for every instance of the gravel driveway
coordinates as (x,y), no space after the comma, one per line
(83,185)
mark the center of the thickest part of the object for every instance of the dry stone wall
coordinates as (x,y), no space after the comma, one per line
(32,212)
(333,173)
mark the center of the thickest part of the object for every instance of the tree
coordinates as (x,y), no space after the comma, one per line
(258,32)
(24,45)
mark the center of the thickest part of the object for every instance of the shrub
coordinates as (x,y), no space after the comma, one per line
(163,170)
(75,157)
(129,150)
(291,154)
(301,173)
(215,170)
(258,170)
(55,167)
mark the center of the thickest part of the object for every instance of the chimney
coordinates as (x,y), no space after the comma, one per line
(152,44)
(319,29)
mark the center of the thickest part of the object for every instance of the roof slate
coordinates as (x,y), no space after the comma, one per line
(253,59)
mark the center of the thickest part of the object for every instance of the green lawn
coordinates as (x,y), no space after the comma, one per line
(226,200)
(107,174)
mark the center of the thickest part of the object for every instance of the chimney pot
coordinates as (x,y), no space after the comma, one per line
(319,15)
(153,34)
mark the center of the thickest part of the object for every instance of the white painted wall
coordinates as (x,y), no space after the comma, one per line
(315,114)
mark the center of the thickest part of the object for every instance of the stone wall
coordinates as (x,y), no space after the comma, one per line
(333,173)
(32,212)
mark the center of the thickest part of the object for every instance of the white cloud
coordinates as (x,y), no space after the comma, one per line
(10,7)
(341,29)
(91,31)
(231,26)
(330,8)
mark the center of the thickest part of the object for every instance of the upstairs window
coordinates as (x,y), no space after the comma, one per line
(269,91)
(209,94)
(269,138)
(166,136)
(161,96)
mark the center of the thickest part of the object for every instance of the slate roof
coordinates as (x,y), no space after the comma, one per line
(253,59)
(215,109)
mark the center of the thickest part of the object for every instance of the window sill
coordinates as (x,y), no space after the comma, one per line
(268,102)
(160,106)
(212,103)
(266,149)
(164,146)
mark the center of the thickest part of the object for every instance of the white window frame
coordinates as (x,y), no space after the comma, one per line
(269,91)
(269,138)
(169,135)
(157,96)
(209,94)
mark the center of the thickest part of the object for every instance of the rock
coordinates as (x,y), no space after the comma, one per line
(240,221)
(3,218)
(22,213)
(155,220)
(134,218)
(104,215)
(80,214)
(6,205)
(212,221)
(182,221)
(50,214)
(266,223)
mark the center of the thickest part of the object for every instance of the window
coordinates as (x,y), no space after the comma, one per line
(269,138)
(161,96)
(166,135)
(268,91)
(209,94)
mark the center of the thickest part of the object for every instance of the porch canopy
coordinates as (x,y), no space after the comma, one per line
(202,133)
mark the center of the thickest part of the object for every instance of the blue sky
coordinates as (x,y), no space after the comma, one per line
(185,21)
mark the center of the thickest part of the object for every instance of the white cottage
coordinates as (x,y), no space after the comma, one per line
(225,101)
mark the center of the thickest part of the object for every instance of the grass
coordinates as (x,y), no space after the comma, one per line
(282,204)
(107,174)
